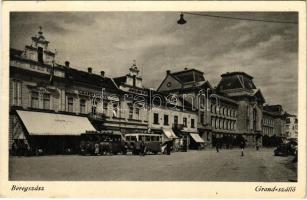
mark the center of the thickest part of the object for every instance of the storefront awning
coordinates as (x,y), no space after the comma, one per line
(197,138)
(39,123)
(169,134)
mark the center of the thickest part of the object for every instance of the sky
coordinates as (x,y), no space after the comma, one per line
(110,41)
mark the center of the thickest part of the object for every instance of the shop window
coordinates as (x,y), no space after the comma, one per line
(156,118)
(185,122)
(82,106)
(192,123)
(34,100)
(46,101)
(70,104)
(166,120)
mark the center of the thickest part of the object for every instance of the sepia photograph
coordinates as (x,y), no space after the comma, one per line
(154,96)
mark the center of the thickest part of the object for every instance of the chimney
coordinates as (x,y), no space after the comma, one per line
(102,73)
(67,64)
(168,72)
(185,68)
(89,70)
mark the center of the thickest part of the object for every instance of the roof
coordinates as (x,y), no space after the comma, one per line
(189,75)
(224,98)
(42,123)
(289,115)
(258,94)
(15,52)
(120,80)
(94,80)
(273,108)
(236,73)
(236,80)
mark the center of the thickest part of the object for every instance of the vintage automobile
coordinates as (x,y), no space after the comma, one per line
(102,143)
(152,142)
(286,149)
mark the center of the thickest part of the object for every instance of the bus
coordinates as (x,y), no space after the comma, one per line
(152,142)
(102,143)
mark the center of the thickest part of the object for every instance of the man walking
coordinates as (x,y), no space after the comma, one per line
(242,146)
(217,144)
(142,148)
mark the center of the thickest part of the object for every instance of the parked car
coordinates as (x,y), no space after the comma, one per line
(286,149)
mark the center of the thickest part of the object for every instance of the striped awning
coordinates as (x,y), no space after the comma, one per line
(197,138)
(41,123)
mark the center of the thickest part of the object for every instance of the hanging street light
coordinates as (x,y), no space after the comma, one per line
(181,21)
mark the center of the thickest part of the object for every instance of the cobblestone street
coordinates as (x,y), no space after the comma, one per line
(205,165)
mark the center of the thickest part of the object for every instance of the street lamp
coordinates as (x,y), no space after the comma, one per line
(181,21)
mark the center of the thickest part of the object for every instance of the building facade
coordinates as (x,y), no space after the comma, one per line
(191,108)
(291,127)
(239,86)
(191,86)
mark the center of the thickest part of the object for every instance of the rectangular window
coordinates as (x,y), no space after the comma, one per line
(82,106)
(185,122)
(16,93)
(202,116)
(130,111)
(46,101)
(105,107)
(40,53)
(137,112)
(34,100)
(175,120)
(70,104)
(156,118)
(115,109)
(166,120)
(192,123)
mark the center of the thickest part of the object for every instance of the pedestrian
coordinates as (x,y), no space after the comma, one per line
(242,146)
(257,145)
(217,144)
(168,148)
(142,148)
(110,150)
(96,151)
